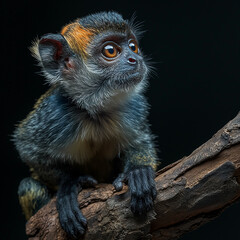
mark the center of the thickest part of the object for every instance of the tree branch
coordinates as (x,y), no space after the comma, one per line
(191,192)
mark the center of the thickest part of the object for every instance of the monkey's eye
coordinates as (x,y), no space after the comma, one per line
(133,46)
(110,50)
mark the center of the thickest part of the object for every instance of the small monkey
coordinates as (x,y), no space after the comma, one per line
(91,125)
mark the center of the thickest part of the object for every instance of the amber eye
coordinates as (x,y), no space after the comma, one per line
(110,51)
(133,46)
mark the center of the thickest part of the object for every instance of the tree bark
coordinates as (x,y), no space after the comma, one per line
(191,192)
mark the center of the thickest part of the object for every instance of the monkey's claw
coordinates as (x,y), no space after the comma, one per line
(118,182)
(142,188)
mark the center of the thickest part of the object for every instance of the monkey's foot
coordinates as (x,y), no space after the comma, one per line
(142,188)
(70,215)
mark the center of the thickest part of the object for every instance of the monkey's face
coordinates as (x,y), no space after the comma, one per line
(113,70)
(117,60)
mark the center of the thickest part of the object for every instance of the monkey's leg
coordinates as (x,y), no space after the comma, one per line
(70,216)
(32,196)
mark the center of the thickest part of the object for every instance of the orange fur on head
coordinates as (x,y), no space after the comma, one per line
(77,37)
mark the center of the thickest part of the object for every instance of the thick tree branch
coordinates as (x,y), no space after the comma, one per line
(191,192)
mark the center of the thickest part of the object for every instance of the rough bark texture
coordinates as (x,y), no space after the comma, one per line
(191,192)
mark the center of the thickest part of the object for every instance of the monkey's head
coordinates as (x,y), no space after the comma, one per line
(95,59)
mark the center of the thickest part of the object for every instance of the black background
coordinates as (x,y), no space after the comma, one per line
(195,47)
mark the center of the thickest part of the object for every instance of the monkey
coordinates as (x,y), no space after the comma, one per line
(91,125)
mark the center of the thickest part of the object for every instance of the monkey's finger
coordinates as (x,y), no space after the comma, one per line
(137,206)
(118,182)
(140,207)
(148,203)
(154,192)
(67,218)
(133,204)
(61,211)
(75,226)
(76,210)
(118,185)
(135,183)
(64,221)
(151,182)
(145,185)
(151,176)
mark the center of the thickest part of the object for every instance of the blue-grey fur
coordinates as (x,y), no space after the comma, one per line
(57,121)
(94,104)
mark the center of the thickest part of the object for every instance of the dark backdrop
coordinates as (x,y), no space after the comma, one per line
(195,47)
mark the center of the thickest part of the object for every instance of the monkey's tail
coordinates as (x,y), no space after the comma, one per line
(32,196)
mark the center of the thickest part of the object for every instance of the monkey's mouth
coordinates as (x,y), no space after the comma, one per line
(129,79)
(135,78)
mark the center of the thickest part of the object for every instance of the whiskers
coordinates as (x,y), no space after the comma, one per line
(136,26)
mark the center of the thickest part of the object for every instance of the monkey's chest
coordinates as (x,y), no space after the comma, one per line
(98,145)
(83,151)
(94,158)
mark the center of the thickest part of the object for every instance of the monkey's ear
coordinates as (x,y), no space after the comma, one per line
(53,51)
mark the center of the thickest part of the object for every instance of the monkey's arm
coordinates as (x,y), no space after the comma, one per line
(140,163)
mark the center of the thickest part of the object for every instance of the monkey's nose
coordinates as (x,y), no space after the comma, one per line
(132,61)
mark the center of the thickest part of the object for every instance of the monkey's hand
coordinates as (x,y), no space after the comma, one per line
(142,188)
(70,216)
